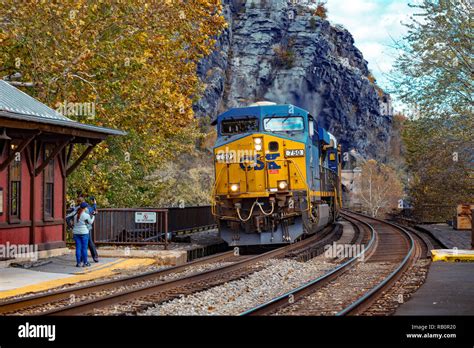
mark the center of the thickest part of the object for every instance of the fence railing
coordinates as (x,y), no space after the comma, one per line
(131,226)
(190,219)
(148,225)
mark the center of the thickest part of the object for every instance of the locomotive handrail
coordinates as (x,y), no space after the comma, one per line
(308,197)
(214,189)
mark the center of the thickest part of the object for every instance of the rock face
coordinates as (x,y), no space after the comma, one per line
(277,51)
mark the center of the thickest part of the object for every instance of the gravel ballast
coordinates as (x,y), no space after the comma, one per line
(339,293)
(232,298)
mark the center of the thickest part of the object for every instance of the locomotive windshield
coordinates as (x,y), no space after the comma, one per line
(283,124)
(229,127)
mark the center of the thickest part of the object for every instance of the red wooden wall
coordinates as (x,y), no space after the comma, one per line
(45,231)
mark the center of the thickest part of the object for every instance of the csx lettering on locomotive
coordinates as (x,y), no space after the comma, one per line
(259,164)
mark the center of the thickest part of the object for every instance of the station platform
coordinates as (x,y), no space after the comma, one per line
(448,290)
(449,286)
(45,274)
(448,236)
(19,277)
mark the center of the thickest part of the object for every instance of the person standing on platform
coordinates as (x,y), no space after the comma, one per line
(81,234)
(92,210)
(92,248)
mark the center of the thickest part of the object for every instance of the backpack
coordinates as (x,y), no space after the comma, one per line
(70,221)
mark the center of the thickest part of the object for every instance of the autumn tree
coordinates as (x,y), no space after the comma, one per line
(434,69)
(136,61)
(440,163)
(321,10)
(379,188)
(433,74)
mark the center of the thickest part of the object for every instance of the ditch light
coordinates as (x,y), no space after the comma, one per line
(234,187)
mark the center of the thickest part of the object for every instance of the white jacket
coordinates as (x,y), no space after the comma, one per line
(81,226)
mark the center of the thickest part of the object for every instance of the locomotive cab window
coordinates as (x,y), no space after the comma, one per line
(283,124)
(230,127)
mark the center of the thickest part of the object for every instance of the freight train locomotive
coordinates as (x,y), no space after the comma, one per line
(277,175)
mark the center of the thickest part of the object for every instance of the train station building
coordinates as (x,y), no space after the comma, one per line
(36,145)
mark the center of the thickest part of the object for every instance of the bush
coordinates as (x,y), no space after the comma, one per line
(371,78)
(321,11)
(285,57)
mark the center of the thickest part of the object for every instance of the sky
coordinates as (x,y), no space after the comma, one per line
(374,24)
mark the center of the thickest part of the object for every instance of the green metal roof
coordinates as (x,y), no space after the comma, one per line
(15,104)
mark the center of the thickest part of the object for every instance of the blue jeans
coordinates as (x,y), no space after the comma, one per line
(82,241)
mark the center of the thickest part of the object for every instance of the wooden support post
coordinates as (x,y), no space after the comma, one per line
(69,153)
(51,156)
(29,161)
(5,145)
(86,153)
(12,155)
(63,164)
(34,161)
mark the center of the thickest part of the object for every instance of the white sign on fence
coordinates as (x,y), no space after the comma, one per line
(145,217)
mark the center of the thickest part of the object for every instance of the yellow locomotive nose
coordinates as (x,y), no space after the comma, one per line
(259,165)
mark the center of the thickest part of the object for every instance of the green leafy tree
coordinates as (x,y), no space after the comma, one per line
(136,61)
(434,74)
(440,158)
(434,70)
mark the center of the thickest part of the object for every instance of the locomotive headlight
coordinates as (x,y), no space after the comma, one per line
(282,185)
(234,187)
(258,144)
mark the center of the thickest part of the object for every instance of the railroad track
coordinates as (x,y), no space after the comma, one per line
(149,284)
(22,303)
(386,242)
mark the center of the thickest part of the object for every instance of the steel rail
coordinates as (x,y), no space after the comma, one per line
(45,298)
(365,300)
(318,282)
(126,295)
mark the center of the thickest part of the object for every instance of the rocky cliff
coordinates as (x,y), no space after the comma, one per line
(281,52)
